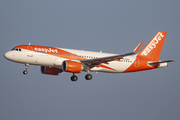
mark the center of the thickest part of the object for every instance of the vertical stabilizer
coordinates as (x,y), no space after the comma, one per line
(153,49)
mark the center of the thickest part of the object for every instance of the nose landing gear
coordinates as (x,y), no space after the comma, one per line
(25,71)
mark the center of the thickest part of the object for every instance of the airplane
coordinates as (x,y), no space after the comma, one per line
(55,60)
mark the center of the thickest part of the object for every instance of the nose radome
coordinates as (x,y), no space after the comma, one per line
(8,55)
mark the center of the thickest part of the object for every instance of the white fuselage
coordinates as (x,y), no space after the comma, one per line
(55,59)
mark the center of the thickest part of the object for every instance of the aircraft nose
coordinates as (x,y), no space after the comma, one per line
(8,55)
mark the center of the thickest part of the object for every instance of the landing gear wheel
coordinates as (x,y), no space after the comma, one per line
(25,72)
(88,77)
(74,78)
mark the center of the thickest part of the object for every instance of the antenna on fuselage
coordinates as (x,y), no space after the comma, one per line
(29,43)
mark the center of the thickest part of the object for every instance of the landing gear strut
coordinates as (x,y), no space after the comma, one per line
(25,71)
(74,77)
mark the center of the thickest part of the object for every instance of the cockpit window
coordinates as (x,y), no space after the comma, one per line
(16,49)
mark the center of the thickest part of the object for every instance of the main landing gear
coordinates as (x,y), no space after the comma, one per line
(88,77)
(75,78)
(25,71)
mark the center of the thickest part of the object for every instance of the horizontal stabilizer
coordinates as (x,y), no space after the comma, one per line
(155,63)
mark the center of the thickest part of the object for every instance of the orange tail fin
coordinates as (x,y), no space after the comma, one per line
(153,49)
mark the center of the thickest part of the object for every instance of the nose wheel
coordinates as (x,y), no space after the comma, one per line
(25,71)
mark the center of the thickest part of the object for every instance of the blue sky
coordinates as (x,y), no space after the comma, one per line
(111,26)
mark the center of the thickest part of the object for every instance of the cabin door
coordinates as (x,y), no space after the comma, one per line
(30,51)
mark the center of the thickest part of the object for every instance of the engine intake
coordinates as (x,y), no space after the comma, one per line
(72,66)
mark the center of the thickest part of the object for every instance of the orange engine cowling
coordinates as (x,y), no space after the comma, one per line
(50,70)
(72,66)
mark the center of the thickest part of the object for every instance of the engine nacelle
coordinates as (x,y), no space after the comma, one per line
(50,70)
(72,66)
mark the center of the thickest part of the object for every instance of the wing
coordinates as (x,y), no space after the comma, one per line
(90,63)
(94,62)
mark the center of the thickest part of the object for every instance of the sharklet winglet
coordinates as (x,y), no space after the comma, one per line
(137,48)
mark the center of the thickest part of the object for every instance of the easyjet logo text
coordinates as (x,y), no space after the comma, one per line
(152,44)
(46,50)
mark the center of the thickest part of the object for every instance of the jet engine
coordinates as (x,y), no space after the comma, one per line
(50,70)
(72,66)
